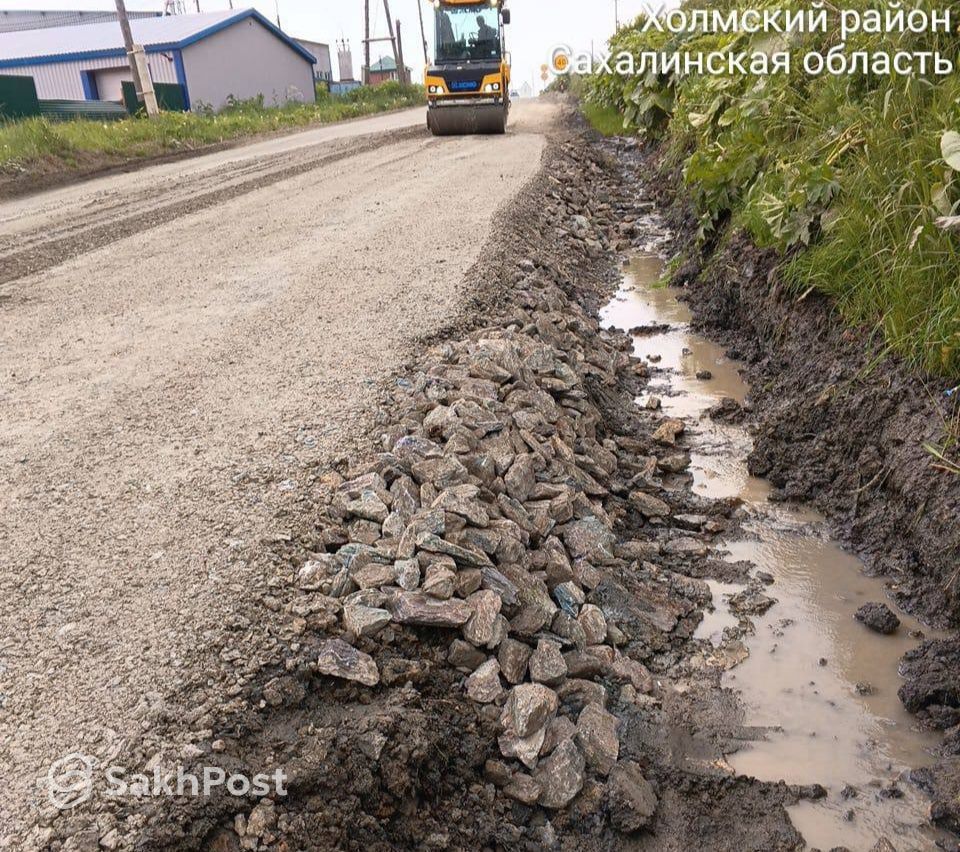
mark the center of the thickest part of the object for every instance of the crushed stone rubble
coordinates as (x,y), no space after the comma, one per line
(526,527)
(486,515)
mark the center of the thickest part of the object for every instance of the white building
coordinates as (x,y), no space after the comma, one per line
(322,68)
(12,20)
(213,56)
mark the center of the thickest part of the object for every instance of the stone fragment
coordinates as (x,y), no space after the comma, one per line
(528,708)
(668,431)
(480,629)
(521,478)
(649,506)
(463,656)
(631,800)
(338,659)
(461,555)
(569,596)
(547,664)
(418,608)
(597,738)
(594,624)
(365,620)
(369,507)
(589,539)
(559,728)
(374,575)
(513,658)
(674,463)
(407,573)
(483,686)
(439,582)
(560,775)
(468,581)
(525,749)
(523,788)
(580,693)
(497,772)
(463,500)
(630,671)
(878,617)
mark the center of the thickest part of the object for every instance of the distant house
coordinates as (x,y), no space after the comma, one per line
(212,57)
(385,68)
(322,68)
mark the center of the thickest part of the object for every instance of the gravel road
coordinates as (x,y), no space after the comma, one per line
(180,347)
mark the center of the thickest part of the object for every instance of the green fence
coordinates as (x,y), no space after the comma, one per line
(170,97)
(18,97)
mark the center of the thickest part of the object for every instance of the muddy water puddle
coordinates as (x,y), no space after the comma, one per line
(822,686)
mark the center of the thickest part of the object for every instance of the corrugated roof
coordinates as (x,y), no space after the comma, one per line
(168,33)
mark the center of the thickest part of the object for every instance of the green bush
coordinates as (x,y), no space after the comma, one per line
(854,169)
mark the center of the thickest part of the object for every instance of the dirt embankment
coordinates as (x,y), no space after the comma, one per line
(488,631)
(841,425)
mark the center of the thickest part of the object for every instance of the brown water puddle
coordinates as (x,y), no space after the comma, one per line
(824,685)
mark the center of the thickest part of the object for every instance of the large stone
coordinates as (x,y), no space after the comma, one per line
(462,655)
(461,555)
(559,728)
(525,749)
(597,738)
(483,686)
(560,775)
(529,707)
(463,500)
(513,658)
(649,506)
(338,659)
(631,800)
(521,478)
(594,624)
(418,608)
(369,507)
(481,628)
(439,582)
(523,788)
(668,431)
(408,574)
(374,575)
(365,620)
(547,664)
(878,617)
(630,671)
(589,539)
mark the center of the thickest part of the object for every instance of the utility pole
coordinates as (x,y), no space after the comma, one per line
(616,16)
(138,63)
(401,67)
(423,34)
(365,76)
(393,39)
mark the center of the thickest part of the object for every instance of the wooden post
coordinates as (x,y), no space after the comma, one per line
(423,34)
(365,76)
(393,39)
(138,63)
(401,67)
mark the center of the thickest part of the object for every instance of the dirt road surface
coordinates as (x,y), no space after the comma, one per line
(179,348)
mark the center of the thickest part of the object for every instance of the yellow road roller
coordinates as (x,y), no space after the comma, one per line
(468,84)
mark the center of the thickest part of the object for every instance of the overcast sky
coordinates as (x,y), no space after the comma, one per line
(538,25)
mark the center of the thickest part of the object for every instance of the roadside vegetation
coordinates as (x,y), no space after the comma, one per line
(38,144)
(852,178)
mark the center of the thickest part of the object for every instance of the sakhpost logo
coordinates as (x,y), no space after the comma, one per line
(70,781)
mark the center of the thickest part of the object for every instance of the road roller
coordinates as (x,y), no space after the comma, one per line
(468,84)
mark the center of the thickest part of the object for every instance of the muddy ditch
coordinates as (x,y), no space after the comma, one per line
(837,425)
(506,626)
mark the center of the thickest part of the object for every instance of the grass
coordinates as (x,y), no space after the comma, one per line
(31,143)
(606,120)
(843,175)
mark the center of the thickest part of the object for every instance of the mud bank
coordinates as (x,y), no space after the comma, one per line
(490,625)
(839,425)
